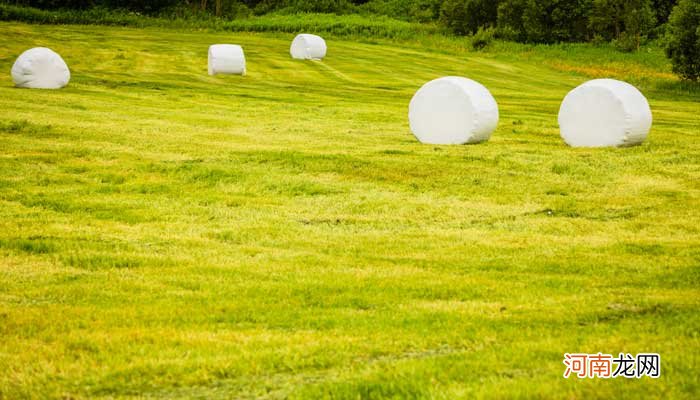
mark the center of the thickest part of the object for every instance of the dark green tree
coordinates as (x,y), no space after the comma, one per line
(683,39)
(545,21)
(510,20)
(628,22)
(607,18)
(662,9)
(465,17)
(639,21)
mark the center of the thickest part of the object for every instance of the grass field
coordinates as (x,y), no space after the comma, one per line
(168,234)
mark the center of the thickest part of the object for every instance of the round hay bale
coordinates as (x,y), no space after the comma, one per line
(226,59)
(604,113)
(40,68)
(453,110)
(308,47)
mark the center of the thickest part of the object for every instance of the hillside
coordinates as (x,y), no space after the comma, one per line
(169,234)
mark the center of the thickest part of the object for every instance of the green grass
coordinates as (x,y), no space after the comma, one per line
(168,234)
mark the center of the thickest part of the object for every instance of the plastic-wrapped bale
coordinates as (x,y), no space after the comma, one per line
(604,113)
(226,59)
(40,68)
(308,47)
(453,110)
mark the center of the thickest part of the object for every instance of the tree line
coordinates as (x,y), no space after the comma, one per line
(626,23)
(538,21)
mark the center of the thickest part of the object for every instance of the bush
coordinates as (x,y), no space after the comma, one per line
(424,10)
(626,43)
(683,39)
(483,38)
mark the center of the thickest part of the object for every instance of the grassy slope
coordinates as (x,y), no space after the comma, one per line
(171,234)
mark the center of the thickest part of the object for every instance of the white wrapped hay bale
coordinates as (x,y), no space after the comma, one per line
(226,59)
(308,47)
(453,110)
(40,68)
(604,112)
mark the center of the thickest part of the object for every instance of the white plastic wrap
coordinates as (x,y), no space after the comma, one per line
(453,110)
(226,59)
(40,68)
(604,113)
(308,47)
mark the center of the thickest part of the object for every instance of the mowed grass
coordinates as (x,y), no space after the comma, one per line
(168,234)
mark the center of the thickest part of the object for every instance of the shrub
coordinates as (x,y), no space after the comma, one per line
(683,39)
(483,38)
(425,10)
